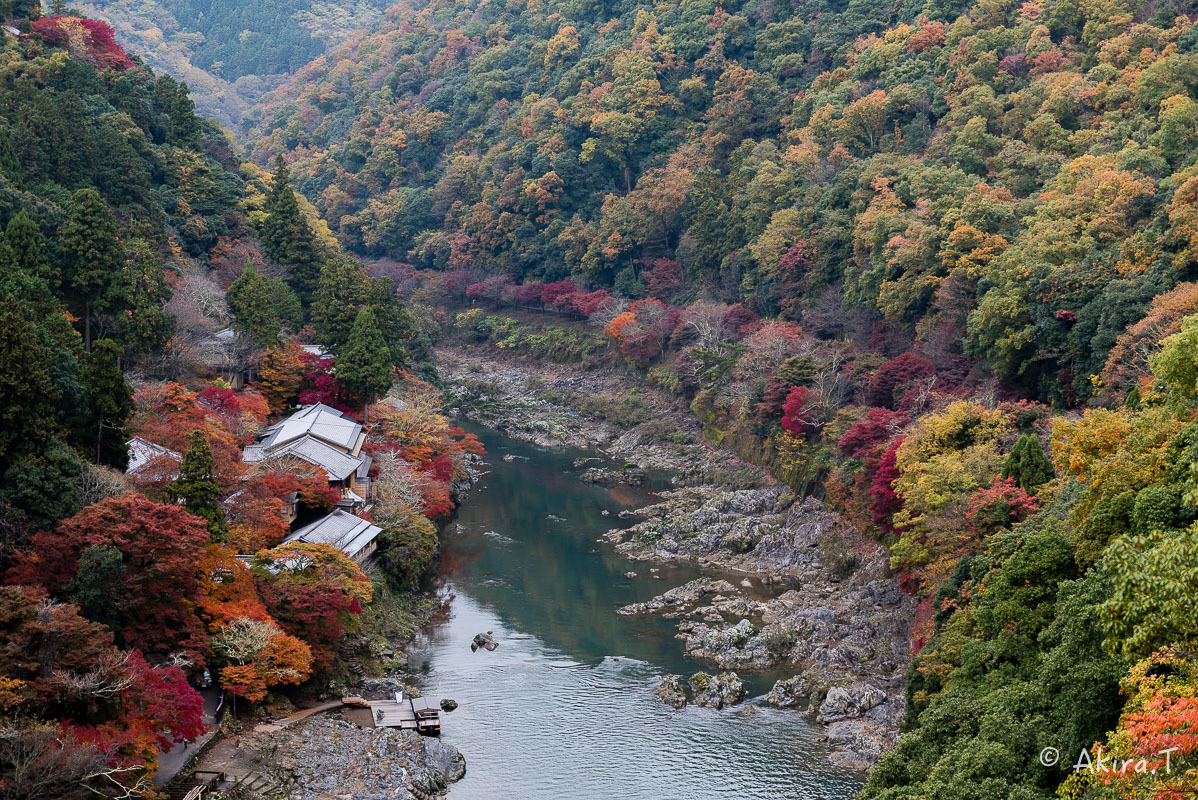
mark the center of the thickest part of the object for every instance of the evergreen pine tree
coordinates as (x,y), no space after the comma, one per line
(714,229)
(344,290)
(147,326)
(628,284)
(25,249)
(28,393)
(25,9)
(185,126)
(1027,463)
(364,364)
(286,304)
(44,485)
(288,238)
(395,322)
(25,272)
(281,211)
(20,287)
(109,404)
(9,166)
(196,487)
(252,306)
(93,254)
(796,371)
(94,587)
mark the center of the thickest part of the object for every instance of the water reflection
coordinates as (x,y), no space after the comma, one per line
(565,707)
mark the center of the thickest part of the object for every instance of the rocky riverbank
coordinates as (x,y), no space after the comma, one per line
(837,618)
(552,405)
(817,597)
(326,756)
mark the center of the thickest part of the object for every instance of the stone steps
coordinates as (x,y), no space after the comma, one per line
(259,784)
(350,656)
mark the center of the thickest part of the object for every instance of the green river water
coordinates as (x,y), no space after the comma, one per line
(564,708)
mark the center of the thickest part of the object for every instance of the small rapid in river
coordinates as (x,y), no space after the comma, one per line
(565,707)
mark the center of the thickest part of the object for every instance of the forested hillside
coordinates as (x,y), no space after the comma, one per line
(144,271)
(1013,179)
(890,251)
(229,53)
(935,264)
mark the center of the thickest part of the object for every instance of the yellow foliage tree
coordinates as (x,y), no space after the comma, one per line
(945,457)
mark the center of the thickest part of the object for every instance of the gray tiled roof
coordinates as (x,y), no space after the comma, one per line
(318,434)
(319,421)
(339,465)
(142,452)
(341,529)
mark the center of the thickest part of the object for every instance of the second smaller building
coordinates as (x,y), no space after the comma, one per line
(354,536)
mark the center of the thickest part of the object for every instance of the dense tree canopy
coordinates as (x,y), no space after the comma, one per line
(144,272)
(933,262)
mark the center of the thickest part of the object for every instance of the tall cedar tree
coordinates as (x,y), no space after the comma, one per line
(288,238)
(28,420)
(1027,464)
(185,125)
(250,301)
(93,255)
(344,288)
(397,325)
(110,403)
(24,270)
(196,487)
(9,166)
(286,305)
(364,364)
(147,326)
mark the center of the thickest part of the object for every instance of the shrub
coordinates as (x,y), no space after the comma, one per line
(999,506)
(1156,508)
(877,427)
(1027,464)
(893,378)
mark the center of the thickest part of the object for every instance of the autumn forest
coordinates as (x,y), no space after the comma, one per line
(934,264)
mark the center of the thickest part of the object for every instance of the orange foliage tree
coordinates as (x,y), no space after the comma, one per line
(1134,348)
(167,413)
(259,655)
(314,592)
(280,375)
(229,589)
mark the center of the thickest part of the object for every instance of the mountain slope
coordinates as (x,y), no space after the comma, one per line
(884,250)
(229,53)
(1011,178)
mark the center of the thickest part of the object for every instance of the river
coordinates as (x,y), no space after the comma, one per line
(565,707)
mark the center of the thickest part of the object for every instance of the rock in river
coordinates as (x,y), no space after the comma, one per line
(722,690)
(448,705)
(849,703)
(483,640)
(670,691)
(628,474)
(786,694)
(679,597)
